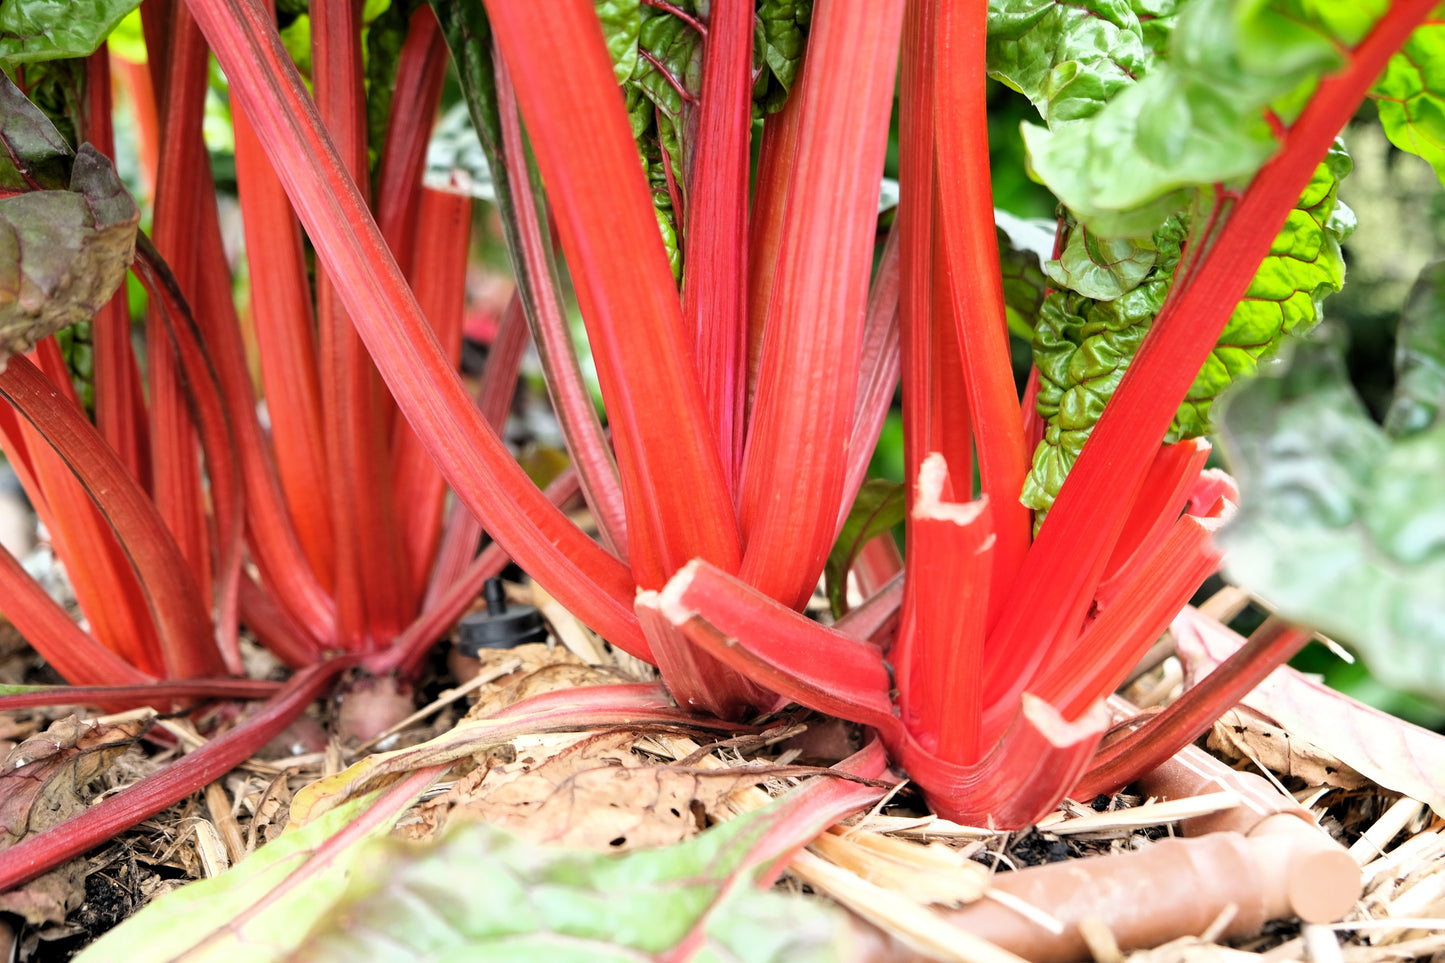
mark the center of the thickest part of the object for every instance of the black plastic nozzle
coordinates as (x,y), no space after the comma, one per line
(499,627)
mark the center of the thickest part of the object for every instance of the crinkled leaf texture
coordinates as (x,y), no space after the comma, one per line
(1197,118)
(66,243)
(1342,526)
(479,894)
(1083,345)
(32,30)
(1024,245)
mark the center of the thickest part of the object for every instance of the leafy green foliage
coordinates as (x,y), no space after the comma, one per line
(658,60)
(1410,96)
(1304,266)
(206,920)
(36,30)
(1072,59)
(880,506)
(1197,118)
(1335,507)
(1148,109)
(478,893)
(1082,347)
(66,243)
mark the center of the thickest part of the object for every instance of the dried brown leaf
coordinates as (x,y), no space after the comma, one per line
(1244,734)
(43,782)
(596,793)
(1395,754)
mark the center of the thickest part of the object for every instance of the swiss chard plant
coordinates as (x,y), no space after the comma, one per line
(710,174)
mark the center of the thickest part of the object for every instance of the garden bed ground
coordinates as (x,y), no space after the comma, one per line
(616,790)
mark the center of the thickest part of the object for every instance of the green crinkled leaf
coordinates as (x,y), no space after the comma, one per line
(1410,96)
(1101,268)
(36,30)
(1197,118)
(880,506)
(63,251)
(479,894)
(780,33)
(1082,346)
(1304,266)
(1420,357)
(1068,59)
(201,921)
(1341,527)
(621,25)
(1081,349)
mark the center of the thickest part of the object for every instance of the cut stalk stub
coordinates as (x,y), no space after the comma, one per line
(499,627)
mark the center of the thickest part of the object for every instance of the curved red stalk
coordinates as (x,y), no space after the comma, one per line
(372,591)
(878,369)
(139,694)
(1161,498)
(182,623)
(1020,777)
(796,458)
(552,336)
(677,504)
(1053,590)
(28,859)
(105,585)
(716,254)
(1142,750)
(1149,598)
(975,282)
(53,632)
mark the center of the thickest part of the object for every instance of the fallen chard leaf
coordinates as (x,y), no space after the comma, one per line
(481,893)
(43,782)
(33,30)
(477,892)
(877,509)
(1335,508)
(1245,735)
(1393,753)
(65,243)
(208,918)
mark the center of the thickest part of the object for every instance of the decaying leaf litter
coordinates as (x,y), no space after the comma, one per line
(632,789)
